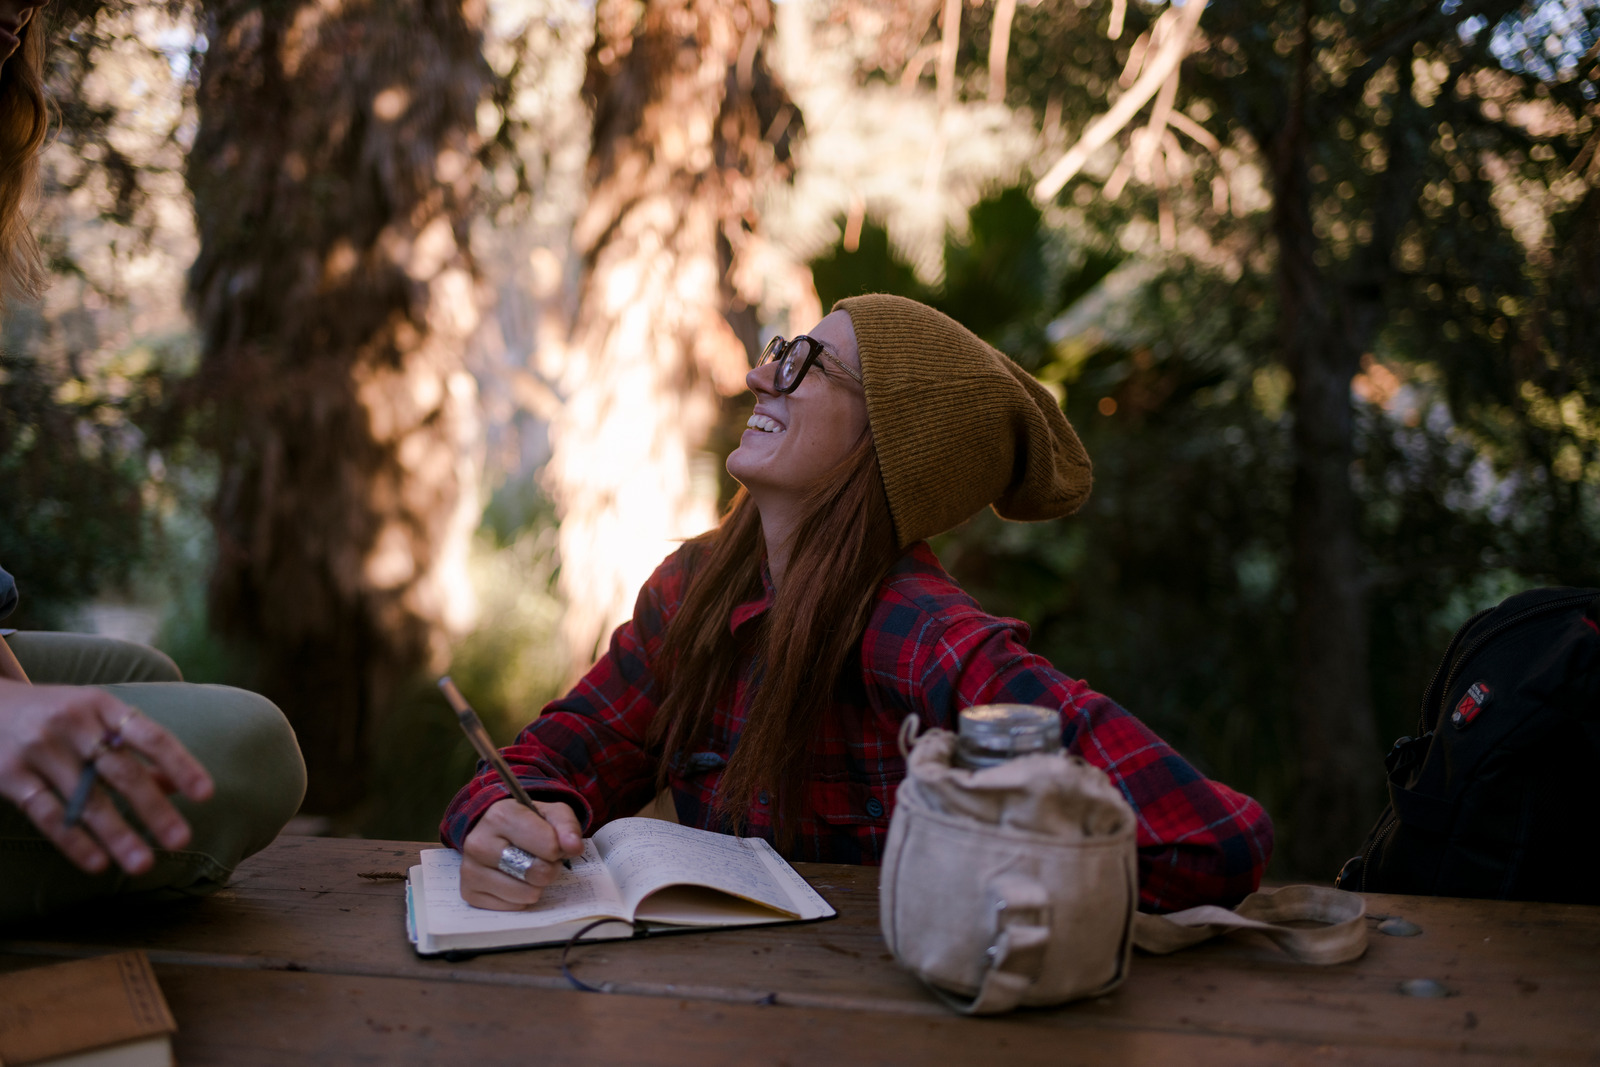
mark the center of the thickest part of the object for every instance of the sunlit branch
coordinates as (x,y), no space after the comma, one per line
(1195,132)
(945,75)
(1102,130)
(915,65)
(999,47)
(1144,147)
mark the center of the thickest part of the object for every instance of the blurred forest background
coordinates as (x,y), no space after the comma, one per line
(392,336)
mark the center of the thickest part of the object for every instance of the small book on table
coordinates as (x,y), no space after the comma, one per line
(106,1011)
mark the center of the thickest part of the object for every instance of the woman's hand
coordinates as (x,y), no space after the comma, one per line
(48,733)
(551,836)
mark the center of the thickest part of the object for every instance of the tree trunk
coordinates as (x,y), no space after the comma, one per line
(1332,697)
(332,173)
(688,123)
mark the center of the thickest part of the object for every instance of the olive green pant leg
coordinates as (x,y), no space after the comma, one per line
(246,744)
(52,658)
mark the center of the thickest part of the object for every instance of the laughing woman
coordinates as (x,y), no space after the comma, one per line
(769,663)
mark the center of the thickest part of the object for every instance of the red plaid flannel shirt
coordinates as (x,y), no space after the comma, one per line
(928,649)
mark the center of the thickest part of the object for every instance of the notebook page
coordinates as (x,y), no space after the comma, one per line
(646,854)
(808,902)
(584,892)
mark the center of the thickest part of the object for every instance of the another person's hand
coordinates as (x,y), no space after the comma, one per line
(48,733)
(550,837)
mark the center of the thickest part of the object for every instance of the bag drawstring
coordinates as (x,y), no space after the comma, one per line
(908,734)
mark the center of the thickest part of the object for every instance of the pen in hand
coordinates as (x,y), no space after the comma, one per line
(87,777)
(80,796)
(472,726)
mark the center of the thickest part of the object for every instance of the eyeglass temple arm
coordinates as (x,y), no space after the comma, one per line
(841,364)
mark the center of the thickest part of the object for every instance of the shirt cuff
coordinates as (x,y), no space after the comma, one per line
(459,823)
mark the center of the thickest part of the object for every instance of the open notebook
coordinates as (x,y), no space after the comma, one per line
(657,875)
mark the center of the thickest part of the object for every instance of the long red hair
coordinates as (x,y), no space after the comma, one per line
(24,121)
(843,546)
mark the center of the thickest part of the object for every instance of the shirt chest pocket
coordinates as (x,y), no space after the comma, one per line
(857,801)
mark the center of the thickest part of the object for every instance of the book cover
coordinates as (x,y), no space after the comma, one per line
(65,1008)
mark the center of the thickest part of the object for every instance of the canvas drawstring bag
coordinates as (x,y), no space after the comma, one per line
(1018,885)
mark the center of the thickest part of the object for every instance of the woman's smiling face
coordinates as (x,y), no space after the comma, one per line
(795,439)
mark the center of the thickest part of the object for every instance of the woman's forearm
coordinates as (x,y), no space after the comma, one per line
(10,669)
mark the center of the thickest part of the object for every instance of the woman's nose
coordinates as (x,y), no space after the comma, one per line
(761,377)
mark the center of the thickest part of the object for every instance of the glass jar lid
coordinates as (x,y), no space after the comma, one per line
(1007,730)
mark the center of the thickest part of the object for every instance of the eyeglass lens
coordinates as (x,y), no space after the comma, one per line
(789,369)
(790,359)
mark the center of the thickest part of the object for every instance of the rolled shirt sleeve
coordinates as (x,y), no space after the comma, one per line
(588,749)
(1199,841)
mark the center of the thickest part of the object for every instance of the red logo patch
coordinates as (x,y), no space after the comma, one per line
(1471,704)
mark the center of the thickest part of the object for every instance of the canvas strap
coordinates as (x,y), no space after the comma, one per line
(1018,951)
(1343,936)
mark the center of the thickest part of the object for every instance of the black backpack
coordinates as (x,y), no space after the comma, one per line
(1495,797)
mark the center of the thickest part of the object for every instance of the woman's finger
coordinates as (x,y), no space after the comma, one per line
(482,847)
(565,823)
(132,853)
(58,760)
(483,887)
(44,809)
(485,850)
(509,892)
(488,901)
(133,779)
(71,728)
(528,830)
(157,745)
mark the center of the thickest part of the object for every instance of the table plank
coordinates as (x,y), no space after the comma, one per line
(246,1017)
(1525,976)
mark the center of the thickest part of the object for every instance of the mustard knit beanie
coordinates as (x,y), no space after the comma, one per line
(957,424)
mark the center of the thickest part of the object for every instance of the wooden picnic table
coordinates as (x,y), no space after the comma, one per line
(303,958)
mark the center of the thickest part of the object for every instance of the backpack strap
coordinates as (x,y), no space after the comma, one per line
(1342,940)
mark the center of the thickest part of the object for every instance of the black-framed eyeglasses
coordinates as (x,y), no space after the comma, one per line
(795,357)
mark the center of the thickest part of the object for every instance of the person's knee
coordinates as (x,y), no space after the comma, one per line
(257,767)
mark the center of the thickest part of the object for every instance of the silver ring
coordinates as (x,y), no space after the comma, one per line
(515,862)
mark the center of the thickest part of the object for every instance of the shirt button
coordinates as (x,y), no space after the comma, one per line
(761,797)
(874,807)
